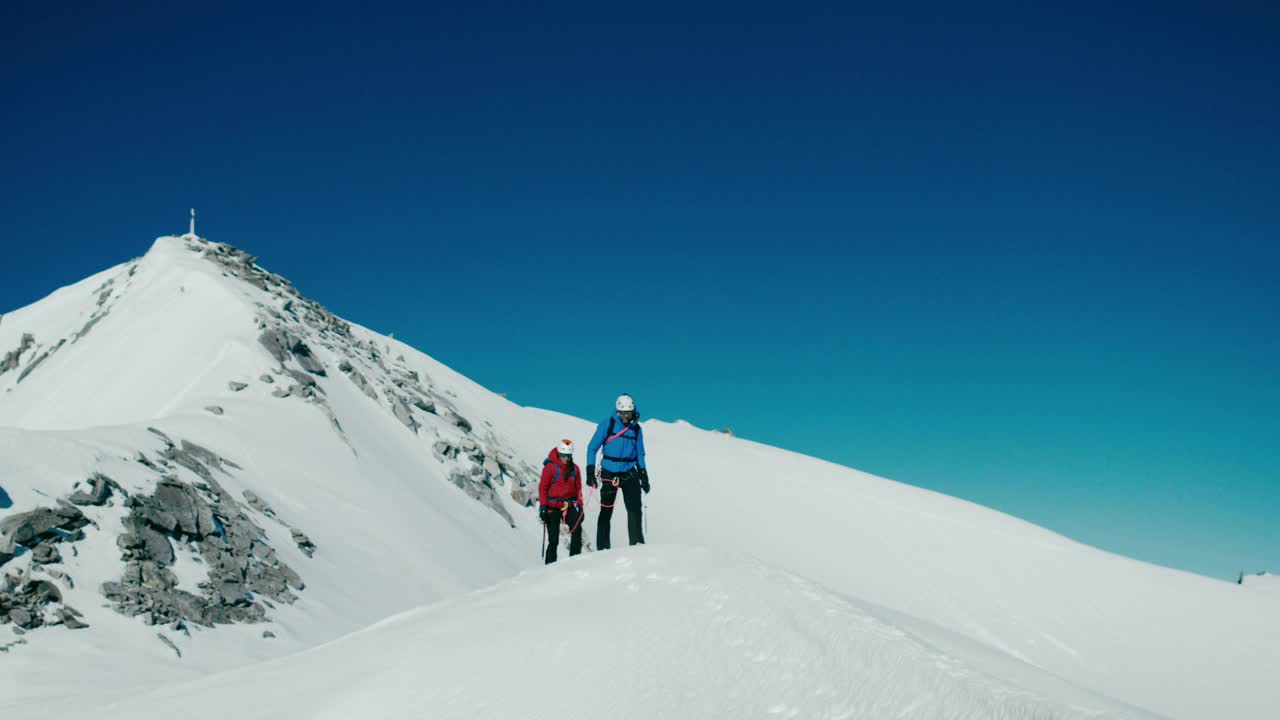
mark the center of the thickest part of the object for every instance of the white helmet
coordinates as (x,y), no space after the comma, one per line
(625,403)
(565,447)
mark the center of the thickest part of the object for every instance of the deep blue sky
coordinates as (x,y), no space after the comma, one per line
(1022,254)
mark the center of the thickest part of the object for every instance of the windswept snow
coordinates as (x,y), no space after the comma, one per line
(1263,583)
(822,591)
(645,633)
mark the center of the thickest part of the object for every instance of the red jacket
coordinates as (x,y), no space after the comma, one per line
(557,484)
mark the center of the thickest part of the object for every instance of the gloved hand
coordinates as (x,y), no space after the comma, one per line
(644,480)
(545,511)
(591,476)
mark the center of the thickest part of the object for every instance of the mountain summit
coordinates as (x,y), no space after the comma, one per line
(203,474)
(179,424)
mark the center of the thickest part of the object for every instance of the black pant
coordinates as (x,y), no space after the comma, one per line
(629,483)
(573,518)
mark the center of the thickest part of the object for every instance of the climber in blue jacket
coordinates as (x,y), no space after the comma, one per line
(622,468)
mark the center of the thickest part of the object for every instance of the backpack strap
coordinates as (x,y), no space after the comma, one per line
(547,461)
(621,432)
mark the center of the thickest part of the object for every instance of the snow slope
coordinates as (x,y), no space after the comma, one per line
(1263,583)
(658,632)
(393,530)
(897,580)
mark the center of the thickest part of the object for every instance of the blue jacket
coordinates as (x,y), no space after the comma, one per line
(627,448)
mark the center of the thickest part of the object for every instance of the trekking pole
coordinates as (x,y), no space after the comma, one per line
(543,552)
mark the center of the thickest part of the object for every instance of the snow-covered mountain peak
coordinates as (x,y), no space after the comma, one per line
(181,422)
(201,469)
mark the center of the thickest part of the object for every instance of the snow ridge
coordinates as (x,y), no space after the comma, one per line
(202,470)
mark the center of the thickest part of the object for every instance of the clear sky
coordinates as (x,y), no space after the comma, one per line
(1023,254)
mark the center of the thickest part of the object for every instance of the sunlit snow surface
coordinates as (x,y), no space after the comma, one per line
(778,585)
(656,632)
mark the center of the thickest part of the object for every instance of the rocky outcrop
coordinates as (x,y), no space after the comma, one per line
(203,519)
(41,525)
(403,414)
(14,357)
(43,356)
(358,378)
(478,475)
(24,600)
(293,328)
(284,345)
(303,542)
(94,320)
(100,489)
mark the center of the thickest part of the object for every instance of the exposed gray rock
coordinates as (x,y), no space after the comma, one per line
(61,577)
(493,471)
(277,341)
(97,317)
(296,332)
(22,618)
(72,516)
(142,459)
(423,404)
(71,618)
(215,409)
(303,542)
(363,383)
(284,345)
(164,639)
(307,360)
(13,358)
(404,415)
(257,503)
(176,507)
(268,634)
(155,546)
(301,379)
(25,528)
(22,601)
(237,386)
(478,490)
(161,435)
(44,356)
(40,592)
(243,571)
(291,578)
(266,378)
(100,487)
(31,527)
(46,554)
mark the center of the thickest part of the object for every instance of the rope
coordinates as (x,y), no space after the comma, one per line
(582,513)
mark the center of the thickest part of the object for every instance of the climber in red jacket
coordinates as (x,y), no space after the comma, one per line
(560,498)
